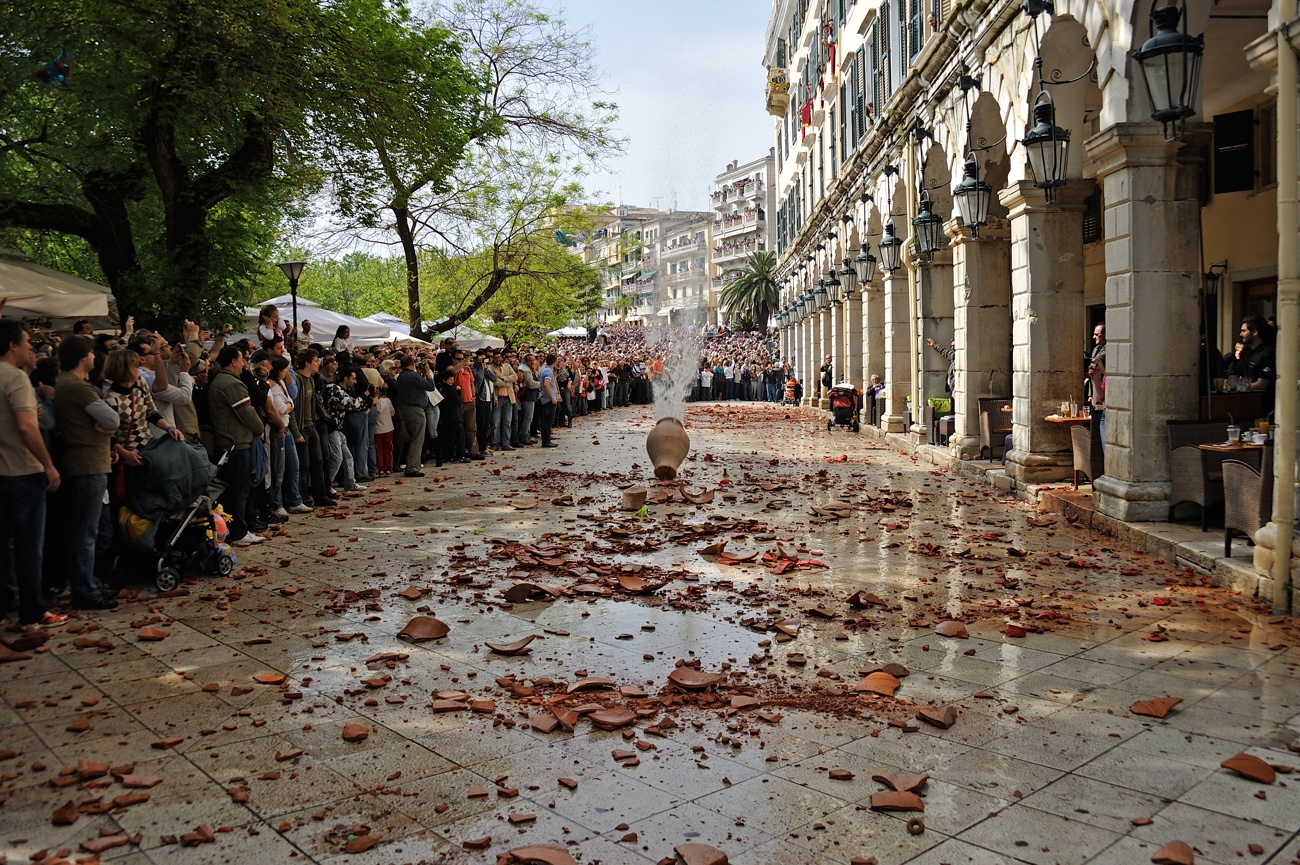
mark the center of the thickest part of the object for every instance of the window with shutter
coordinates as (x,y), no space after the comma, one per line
(886,80)
(913,30)
(860,90)
(830,137)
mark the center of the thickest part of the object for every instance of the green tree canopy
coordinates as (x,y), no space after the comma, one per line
(754,293)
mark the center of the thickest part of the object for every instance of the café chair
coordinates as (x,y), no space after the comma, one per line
(1088,455)
(1247,498)
(995,424)
(1195,475)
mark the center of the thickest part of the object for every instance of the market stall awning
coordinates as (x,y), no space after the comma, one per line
(324,322)
(48,299)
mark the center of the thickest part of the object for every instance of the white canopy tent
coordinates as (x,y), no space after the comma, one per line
(48,299)
(469,338)
(324,322)
(570,332)
(392,322)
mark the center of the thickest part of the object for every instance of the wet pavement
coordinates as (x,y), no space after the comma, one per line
(1045,762)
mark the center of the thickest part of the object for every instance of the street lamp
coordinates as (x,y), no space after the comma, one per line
(849,277)
(973,197)
(833,287)
(928,225)
(293,270)
(865,265)
(1046,146)
(1171,68)
(891,248)
(819,296)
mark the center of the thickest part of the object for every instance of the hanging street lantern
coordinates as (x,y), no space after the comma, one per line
(1171,68)
(973,197)
(819,296)
(928,226)
(891,248)
(833,287)
(849,277)
(865,266)
(1046,146)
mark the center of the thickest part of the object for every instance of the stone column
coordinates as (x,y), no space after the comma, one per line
(873,332)
(809,371)
(1152,277)
(1048,323)
(853,340)
(897,350)
(826,322)
(981,325)
(934,314)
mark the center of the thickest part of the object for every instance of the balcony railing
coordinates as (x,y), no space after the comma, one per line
(733,248)
(680,246)
(735,221)
(737,191)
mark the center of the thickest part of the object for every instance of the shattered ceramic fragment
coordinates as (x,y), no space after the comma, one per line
(270,678)
(140,782)
(612,719)
(1157,708)
(1250,766)
(942,717)
(519,647)
(355,732)
(477,843)
(361,843)
(66,814)
(1174,853)
(951,628)
(691,679)
(840,775)
(902,782)
(896,800)
(879,683)
(423,628)
(700,854)
(152,635)
(591,683)
(544,722)
(546,854)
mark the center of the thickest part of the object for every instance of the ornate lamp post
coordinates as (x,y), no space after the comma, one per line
(293,270)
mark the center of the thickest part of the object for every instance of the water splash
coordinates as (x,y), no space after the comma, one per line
(678,345)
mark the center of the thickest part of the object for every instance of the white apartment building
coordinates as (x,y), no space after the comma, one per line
(744,207)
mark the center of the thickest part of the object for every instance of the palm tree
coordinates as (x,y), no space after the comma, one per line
(755,291)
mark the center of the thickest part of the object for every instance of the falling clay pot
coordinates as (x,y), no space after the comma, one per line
(667,444)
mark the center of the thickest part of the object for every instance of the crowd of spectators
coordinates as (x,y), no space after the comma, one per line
(299,423)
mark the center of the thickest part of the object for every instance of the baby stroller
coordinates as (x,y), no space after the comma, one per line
(793,392)
(168,523)
(845,402)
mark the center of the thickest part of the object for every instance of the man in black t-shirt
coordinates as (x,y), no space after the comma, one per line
(1258,361)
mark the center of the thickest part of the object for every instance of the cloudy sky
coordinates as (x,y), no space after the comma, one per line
(687,76)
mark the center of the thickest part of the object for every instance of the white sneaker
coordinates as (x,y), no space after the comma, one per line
(248,540)
(359,488)
(301,508)
(281,512)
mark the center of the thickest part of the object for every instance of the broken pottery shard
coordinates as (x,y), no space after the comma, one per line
(448,705)
(152,635)
(898,671)
(840,775)
(700,854)
(866,599)
(483,705)
(544,722)
(524,504)
(878,683)
(519,647)
(286,754)
(714,549)
(477,843)
(613,718)
(141,782)
(519,819)
(270,678)
(542,854)
(743,702)
(567,717)
(361,843)
(691,679)
(411,593)
(902,782)
(87,769)
(697,499)
(568,783)
(95,846)
(355,732)
(1014,630)
(520,592)
(80,725)
(1157,708)
(1174,853)
(951,628)
(8,654)
(942,717)
(591,683)
(796,659)
(423,628)
(166,743)
(1250,766)
(66,814)
(896,800)
(633,584)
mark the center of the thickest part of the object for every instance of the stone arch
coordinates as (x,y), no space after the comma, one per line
(1066,56)
(937,178)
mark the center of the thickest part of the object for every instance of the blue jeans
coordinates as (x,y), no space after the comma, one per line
(22,523)
(431,415)
(774,393)
(502,415)
(85,503)
(354,428)
(235,474)
(526,408)
(339,458)
(289,491)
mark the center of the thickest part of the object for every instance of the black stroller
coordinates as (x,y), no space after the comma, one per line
(168,523)
(845,403)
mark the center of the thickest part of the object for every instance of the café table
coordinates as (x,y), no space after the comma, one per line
(1077,420)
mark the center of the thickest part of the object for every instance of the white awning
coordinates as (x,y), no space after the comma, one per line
(47,297)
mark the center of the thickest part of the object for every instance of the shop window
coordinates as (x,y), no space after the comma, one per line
(1234,152)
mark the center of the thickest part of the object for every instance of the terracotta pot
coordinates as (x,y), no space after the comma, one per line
(667,446)
(634,499)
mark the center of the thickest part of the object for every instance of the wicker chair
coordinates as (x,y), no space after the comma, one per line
(995,424)
(1195,475)
(1088,455)
(1247,499)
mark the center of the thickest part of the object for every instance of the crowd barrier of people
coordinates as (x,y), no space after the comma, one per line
(90,423)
